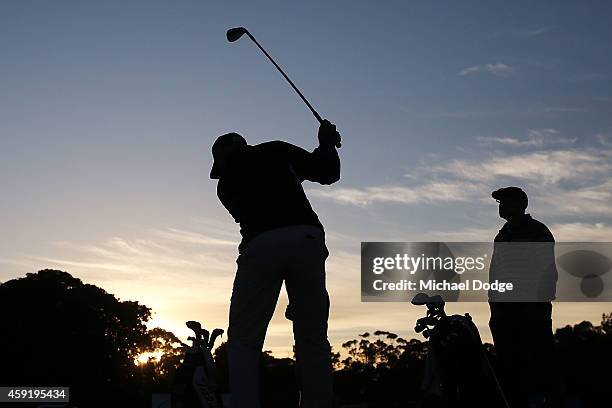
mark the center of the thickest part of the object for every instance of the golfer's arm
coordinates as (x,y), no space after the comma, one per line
(322,165)
(325,164)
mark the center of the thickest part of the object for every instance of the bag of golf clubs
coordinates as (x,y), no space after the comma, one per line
(457,370)
(195,382)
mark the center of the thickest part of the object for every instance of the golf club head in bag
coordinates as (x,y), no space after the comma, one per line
(424,299)
(195,326)
(457,369)
(196,382)
(205,335)
(213,337)
(201,334)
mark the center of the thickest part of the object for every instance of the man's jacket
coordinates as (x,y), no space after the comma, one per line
(262,187)
(524,254)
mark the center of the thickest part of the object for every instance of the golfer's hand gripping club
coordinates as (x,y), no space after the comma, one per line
(328,135)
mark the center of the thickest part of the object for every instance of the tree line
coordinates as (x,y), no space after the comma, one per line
(57,330)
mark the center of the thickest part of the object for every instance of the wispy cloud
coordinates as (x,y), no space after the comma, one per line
(466,235)
(597,232)
(180,273)
(567,232)
(495,69)
(563,109)
(190,237)
(548,166)
(524,32)
(434,192)
(604,139)
(534,32)
(535,138)
(593,200)
(560,181)
(155,257)
(524,112)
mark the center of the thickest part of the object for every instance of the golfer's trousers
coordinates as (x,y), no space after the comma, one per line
(295,255)
(524,344)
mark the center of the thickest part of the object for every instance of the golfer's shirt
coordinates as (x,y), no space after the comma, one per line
(262,188)
(524,255)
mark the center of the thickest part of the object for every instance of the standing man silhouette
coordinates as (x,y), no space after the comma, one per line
(521,320)
(282,240)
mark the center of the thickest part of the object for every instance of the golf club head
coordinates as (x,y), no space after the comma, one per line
(193,340)
(436,299)
(435,306)
(195,326)
(420,325)
(205,335)
(420,299)
(213,337)
(233,34)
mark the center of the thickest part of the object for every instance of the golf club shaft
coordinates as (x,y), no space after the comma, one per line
(314,112)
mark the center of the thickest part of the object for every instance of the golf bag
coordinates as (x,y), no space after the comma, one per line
(457,370)
(195,382)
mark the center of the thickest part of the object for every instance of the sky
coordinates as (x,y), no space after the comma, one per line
(108,111)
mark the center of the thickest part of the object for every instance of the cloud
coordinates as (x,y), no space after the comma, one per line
(190,237)
(547,166)
(434,192)
(495,69)
(177,272)
(604,139)
(523,112)
(165,256)
(535,138)
(560,182)
(525,32)
(582,232)
(563,232)
(534,32)
(61,263)
(464,235)
(591,200)
(562,109)
(508,141)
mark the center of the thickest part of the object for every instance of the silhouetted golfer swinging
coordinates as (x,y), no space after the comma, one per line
(282,240)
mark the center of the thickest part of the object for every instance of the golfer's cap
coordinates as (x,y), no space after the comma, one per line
(223,145)
(515,194)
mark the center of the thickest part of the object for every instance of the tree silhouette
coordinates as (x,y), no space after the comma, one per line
(377,366)
(157,374)
(60,331)
(585,360)
(57,330)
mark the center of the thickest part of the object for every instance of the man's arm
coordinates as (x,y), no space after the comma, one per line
(323,164)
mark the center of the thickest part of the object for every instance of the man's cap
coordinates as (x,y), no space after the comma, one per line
(514,194)
(223,145)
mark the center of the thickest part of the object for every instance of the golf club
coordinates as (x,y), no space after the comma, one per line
(204,336)
(194,384)
(233,34)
